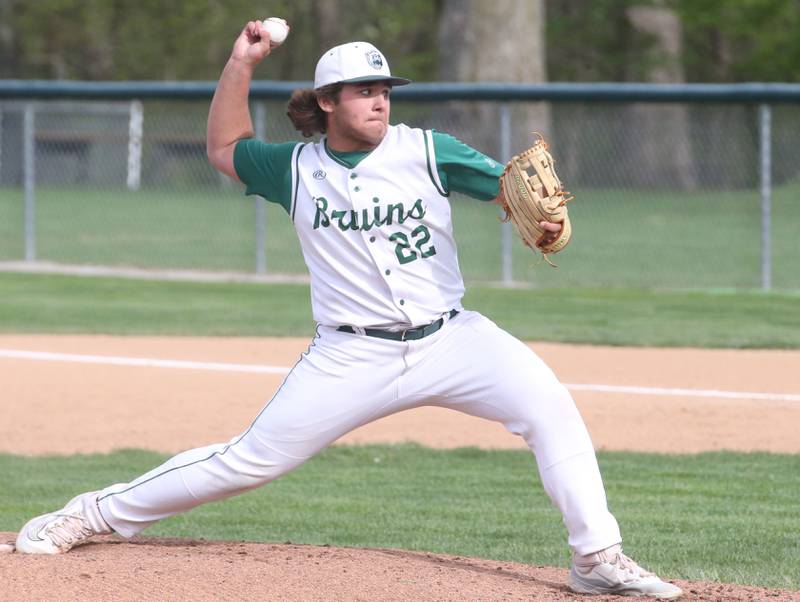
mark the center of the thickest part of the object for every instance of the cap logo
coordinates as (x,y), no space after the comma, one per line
(374,59)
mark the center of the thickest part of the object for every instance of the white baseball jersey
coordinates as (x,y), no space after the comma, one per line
(377,238)
(376,232)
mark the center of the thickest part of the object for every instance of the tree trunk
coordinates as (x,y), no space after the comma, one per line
(7,62)
(327,16)
(658,136)
(498,41)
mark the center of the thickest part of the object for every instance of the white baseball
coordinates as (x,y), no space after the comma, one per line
(277,28)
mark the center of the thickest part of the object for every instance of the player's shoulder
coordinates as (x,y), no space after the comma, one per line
(403,131)
(309,150)
(414,138)
(437,140)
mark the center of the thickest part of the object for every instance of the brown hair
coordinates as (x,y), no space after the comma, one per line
(304,110)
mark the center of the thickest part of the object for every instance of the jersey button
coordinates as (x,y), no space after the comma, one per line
(402,301)
(387,272)
(357,188)
(353,176)
(371,239)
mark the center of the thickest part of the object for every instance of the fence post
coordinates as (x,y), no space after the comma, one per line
(766,195)
(505,227)
(135,126)
(260,127)
(29,166)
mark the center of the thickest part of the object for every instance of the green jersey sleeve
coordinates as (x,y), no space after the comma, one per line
(463,169)
(266,169)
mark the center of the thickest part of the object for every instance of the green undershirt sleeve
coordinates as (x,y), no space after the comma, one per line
(463,169)
(266,169)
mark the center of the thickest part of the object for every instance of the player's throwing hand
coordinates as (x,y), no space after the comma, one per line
(253,44)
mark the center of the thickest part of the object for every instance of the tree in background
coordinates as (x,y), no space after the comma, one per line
(594,42)
(191,39)
(752,40)
(723,41)
(7,57)
(747,40)
(463,40)
(499,41)
(659,134)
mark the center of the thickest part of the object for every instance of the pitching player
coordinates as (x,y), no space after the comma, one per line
(370,203)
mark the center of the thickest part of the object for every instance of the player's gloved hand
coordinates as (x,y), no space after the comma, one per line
(551,233)
(532,195)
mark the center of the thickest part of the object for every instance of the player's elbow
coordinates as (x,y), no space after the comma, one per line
(221,159)
(214,154)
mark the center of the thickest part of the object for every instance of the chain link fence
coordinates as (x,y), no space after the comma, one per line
(677,195)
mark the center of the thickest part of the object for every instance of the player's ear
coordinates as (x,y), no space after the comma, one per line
(325,103)
(328,97)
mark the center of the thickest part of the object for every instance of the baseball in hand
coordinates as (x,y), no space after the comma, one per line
(277,28)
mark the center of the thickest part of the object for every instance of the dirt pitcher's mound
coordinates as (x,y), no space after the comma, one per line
(176,569)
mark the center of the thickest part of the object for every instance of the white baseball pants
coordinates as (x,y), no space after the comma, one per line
(347,380)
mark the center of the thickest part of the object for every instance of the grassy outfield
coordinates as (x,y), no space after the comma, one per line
(62,304)
(630,238)
(717,516)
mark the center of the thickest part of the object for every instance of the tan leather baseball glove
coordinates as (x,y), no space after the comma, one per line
(530,192)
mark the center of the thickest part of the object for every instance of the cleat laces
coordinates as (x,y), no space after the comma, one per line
(628,565)
(68,530)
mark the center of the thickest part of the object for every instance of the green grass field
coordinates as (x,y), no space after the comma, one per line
(718,516)
(63,304)
(628,238)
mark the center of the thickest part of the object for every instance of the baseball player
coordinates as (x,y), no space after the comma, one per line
(370,203)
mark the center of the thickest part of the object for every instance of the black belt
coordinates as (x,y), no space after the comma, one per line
(412,334)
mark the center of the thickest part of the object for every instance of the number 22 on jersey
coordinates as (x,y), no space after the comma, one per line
(420,238)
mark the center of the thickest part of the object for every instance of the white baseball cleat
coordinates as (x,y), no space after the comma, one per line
(611,572)
(60,531)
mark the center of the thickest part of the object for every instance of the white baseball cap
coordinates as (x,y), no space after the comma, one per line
(352,63)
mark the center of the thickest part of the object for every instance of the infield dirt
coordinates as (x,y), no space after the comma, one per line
(170,409)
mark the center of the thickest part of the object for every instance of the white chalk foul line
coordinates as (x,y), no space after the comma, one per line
(685,392)
(256,369)
(135,361)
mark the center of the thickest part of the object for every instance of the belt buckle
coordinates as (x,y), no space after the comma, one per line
(403,335)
